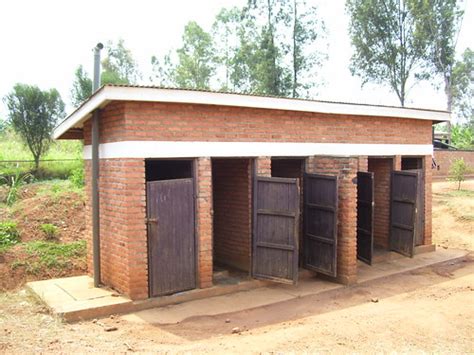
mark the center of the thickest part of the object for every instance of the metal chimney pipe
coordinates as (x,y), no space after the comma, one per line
(95,172)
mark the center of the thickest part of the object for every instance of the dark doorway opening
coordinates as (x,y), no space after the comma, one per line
(293,168)
(156,170)
(382,170)
(170,226)
(232,219)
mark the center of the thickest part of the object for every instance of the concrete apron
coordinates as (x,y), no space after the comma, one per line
(75,299)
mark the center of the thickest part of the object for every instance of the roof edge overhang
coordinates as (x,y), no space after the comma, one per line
(110,93)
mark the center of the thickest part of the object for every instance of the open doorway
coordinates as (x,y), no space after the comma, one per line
(170,226)
(381,169)
(232,219)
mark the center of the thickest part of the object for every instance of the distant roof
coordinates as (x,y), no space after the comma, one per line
(110,93)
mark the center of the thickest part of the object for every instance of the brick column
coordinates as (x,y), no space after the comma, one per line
(204,221)
(428,172)
(346,170)
(397,162)
(363,163)
(264,166)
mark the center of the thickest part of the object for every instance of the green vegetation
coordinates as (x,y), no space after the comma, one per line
(462,136)
(33,114)
(458,171)
(77,177)
(9,235)
(55,188)
(14,183)
(12,148)
(51,255)
(50,231)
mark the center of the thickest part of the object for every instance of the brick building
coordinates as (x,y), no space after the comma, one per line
(191,182)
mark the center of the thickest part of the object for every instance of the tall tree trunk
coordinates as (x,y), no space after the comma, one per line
(295,69)
(449,101)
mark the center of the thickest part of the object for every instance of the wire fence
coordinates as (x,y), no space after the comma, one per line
(48,168)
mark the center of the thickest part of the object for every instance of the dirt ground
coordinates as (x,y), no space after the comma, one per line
(427,310)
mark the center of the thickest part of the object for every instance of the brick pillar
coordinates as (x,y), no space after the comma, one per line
(428,172)
(346,170)
(264,166)
(397,162)
(204,221)
(363,163)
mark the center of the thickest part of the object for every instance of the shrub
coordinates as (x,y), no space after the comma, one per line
(458,170)
(77,177)
(9,235)
(50,231)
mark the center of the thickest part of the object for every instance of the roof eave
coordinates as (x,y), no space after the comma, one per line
(119,93)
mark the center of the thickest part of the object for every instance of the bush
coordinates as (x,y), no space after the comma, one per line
(50,231)
(9,235)
(77,177)
(458,170)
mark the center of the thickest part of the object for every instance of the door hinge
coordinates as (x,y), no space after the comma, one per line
(151,220)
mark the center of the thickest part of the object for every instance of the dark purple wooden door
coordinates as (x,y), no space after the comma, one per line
(275,245)
(403,212)
(171,241)
(365,216)
(320,223)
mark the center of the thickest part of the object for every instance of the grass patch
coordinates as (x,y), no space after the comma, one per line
(55,188)
(12,148)
(9,235)
(460,193)
(50,255)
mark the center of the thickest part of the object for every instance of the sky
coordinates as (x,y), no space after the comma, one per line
(43,42)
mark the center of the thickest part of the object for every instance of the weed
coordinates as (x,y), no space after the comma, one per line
(53,255)
(9,235)
(77,177)
(50,231)
(14,183)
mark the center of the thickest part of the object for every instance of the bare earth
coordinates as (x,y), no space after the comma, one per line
(428,310)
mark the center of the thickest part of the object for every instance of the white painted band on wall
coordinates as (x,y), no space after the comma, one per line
(166,149)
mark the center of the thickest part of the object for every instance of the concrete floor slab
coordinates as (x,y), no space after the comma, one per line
(75,298)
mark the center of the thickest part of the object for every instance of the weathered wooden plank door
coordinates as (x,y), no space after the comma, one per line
(171,237)
(365,216)
(320,223)
(275,241)
(420,206)
(403,212)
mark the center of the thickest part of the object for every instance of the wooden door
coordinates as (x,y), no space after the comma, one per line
(171,237)
(365,216)
(275,240)
(420,207)
(403,211)
(320,223)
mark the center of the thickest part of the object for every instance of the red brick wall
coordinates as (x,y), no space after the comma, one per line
(382,168)
(444,159)
(122,225)
(204,221)
(186,122)
(231,180)
(346,170)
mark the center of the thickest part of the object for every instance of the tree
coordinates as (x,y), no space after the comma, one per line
(458,171)
(118,66)
(462,136)
(439,22)
(33,114)
(307,31)
(462,86)
(81,87)
(388,48)
(163,71)
(196,62)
